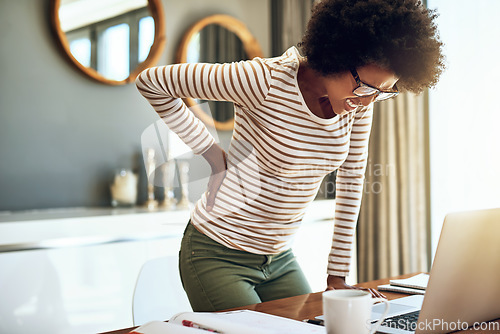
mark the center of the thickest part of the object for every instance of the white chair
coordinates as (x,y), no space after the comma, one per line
(158,293)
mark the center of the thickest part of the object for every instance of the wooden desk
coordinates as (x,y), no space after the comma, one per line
(310,305)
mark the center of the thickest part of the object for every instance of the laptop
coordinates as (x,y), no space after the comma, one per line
(464,283)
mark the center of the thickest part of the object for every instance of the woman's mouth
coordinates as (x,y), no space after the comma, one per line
(350,105)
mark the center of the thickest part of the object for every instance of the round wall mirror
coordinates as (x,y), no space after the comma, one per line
(217,39)
(110,41)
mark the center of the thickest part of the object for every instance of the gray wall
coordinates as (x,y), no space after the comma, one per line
(61,134)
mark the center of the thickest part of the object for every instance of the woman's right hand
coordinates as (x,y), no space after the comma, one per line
(216,158)
(338,283)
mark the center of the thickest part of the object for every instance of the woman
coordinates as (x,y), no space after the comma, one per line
(297,118)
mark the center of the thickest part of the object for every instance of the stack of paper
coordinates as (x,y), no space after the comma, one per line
(233,322)
(414,285)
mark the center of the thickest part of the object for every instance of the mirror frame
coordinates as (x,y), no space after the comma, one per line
(250,45)
(156,9)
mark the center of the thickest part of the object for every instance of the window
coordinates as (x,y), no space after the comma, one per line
(464,114)
(81,50)
(115,46)
(146,36)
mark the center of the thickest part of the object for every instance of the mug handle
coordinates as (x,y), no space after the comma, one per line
(376,325)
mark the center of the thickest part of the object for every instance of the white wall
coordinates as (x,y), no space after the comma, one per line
(464,111)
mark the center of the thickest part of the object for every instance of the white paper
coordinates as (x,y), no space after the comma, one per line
(395,288)
(161,327)
(248,322)
(417,282)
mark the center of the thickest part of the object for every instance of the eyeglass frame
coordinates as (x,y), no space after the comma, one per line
(377,93)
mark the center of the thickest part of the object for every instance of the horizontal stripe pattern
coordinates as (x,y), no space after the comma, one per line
(278,156)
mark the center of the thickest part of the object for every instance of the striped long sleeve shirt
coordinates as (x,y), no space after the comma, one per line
(280,152)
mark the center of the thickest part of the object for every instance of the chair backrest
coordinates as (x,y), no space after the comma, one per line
(158,293)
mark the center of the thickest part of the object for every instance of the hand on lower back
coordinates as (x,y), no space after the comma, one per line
(216,158)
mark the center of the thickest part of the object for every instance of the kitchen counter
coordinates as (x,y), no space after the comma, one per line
(75,227)
(75,270)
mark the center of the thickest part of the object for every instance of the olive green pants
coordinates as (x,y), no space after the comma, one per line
(216,277)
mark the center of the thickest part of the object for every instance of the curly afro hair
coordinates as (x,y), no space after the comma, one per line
(399,35)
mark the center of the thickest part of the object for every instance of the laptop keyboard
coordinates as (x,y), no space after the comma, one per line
(403,321)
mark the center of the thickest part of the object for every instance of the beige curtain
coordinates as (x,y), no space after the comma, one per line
(393,225)
(289,20)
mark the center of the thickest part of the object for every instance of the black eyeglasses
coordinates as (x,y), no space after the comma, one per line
(364,90)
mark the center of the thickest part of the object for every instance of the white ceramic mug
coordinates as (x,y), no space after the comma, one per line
(349,311)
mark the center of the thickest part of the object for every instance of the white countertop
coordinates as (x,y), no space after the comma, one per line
(56,228)
(75,227)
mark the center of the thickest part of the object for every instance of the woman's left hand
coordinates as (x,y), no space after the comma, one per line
(217,159)
(338,282)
